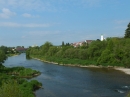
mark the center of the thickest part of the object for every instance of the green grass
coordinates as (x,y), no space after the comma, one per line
(66,61)
(18,88)
(21,72)
(12,83)
(76,62)
(9,55)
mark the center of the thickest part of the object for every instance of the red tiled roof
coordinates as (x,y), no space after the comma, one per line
(21,49)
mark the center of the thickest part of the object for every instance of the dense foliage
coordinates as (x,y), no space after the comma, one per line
(12,83)
(21,72)
(127,32)
(3,51)
(113,52)
(18,88)
(6,51)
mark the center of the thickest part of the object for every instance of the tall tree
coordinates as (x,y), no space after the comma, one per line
(127,32)
(46,47)
(63,44)
(2,57)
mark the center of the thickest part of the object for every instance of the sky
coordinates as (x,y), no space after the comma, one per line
(33,22)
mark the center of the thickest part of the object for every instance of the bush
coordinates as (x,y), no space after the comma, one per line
(10,89)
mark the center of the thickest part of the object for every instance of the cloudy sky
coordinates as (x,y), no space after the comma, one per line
(29,22)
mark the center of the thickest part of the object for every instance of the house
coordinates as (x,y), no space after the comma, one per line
(88,41)
(21,49)
(77,44)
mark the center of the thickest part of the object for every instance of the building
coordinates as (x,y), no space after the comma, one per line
(102,37)
(34,45)
(77,44)
(21,49)
(88,41)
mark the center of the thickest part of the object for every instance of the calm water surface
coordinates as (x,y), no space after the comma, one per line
(63,81)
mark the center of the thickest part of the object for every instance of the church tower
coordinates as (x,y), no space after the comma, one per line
(102,38)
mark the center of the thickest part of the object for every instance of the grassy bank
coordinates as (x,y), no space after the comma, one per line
(22,72)
(73,62)
(13,82)
(64,61)
(9,55)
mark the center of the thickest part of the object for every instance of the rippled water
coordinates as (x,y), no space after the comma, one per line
(64,81)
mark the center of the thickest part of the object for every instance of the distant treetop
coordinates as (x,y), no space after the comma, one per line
(127,32)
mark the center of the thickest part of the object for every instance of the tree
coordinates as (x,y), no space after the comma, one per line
(67,44)
(2,57)
(46,47)
(106,57)
(63,43)
(127,32)
(52,51)
(84,45)
(4,49)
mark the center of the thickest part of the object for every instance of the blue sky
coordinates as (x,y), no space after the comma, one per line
(29,22)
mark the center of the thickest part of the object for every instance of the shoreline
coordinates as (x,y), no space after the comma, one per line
(122,69)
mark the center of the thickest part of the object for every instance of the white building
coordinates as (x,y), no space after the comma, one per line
(34,45)
(102,38)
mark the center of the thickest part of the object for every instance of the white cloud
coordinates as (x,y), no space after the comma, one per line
(90,3)
(27,15)
(35,25)
(6,13)
(120,27)
(38,35)
(121,21)
(42,33)
(47,5)
(121,24)
(25,4)
(9,24)
(82,3)
(23,37)
(31,25)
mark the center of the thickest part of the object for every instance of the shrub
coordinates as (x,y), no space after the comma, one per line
(10,89)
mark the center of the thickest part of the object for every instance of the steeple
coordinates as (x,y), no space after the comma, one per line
(102,38)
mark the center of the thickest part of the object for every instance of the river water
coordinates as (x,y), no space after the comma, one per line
(65,81)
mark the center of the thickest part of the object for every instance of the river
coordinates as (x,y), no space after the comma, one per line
(65,81)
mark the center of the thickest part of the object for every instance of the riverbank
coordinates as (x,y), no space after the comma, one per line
(122,69)
(10,55)
(125,70)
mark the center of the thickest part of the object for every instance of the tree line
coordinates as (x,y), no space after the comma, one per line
(5,51)
(113,51)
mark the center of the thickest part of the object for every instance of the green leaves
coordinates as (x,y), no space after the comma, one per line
(10,89)
(2,56)
(11,85)
(112,51)
(127,32)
